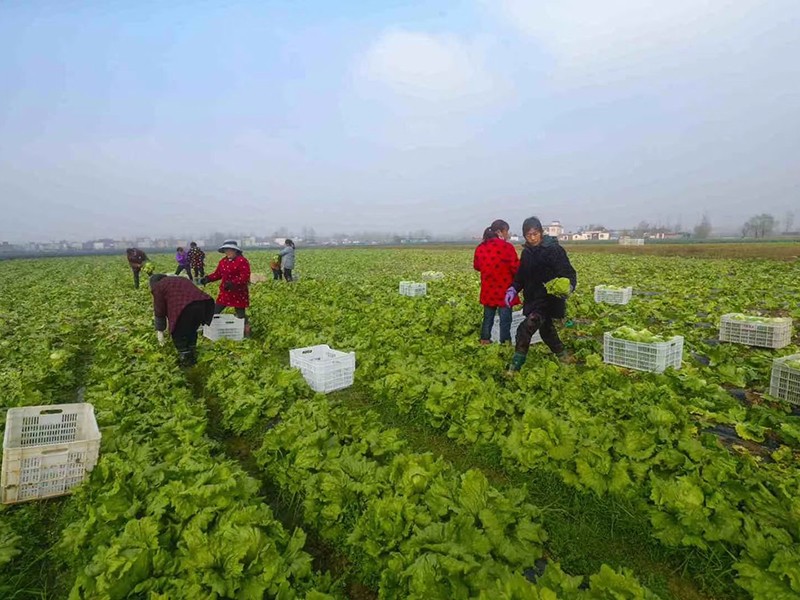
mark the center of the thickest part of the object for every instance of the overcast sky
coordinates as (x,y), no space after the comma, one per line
(143,117)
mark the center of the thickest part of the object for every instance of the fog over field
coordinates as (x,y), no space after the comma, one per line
(145,118)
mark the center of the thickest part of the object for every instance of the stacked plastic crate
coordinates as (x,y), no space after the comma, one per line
(653,356)
(225,327)
(410,288)
(610,294)
(751,330)
(47,450)
(324,369)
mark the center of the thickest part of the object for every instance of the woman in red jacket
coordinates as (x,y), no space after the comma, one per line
(497,262)
(234,272)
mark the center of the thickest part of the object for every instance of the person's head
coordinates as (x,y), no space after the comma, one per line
(193,245)
(289,242)
(498,229)
(230,249)
(130,251)
(179,249)
(532,231)
(154,279)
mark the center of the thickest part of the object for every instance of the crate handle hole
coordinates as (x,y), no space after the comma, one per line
(51,411)
(56,451)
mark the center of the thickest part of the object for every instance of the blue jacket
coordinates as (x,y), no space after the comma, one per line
(287,257)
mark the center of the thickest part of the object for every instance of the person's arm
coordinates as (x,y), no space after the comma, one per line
(216,275)
(476,261)
(564,268)
(159,308)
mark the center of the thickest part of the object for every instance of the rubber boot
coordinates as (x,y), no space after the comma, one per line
(186,358)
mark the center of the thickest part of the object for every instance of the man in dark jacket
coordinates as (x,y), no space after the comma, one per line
(542,260)
(179,301)
(136,259)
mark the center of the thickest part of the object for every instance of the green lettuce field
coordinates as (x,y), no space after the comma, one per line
(433,476)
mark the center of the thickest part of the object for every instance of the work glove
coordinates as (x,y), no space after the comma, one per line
(160,337)
(511,295)
(227,286)
(203,280)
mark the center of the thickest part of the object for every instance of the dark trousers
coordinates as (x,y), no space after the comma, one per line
(182,268)
(240,312)
(135,278)
(184,336)
(277,274)
(287,274)
(544,325)
(199,272)
(488,321)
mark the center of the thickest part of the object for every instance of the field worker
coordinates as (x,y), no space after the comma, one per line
(234,272)
(497,262)
(136,259)
(197,259)
(542,260)
(178,301)
(182,258)
(275,265)
(287,259)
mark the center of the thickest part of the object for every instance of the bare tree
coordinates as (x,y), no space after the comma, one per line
(759,226)
(788,221)
(703,229)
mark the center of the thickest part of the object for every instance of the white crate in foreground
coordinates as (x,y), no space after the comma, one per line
(612,295)
(516,318)
(642,356)
(409,288)
(784,382)
(225,327)
(47,450)
(324,368)
(743,329)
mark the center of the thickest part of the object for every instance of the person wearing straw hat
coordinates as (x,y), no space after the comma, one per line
(178,301)
(233,272)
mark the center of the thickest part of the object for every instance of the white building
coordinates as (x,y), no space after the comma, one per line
(555,229)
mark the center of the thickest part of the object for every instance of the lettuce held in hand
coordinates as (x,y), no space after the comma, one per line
(560,286)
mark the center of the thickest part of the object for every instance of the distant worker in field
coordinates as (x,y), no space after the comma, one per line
(197,260)
(136,260)
(178,301)
(234,272)
(275,266)
(546,278)
(182,258)
(287,259)
(497,262)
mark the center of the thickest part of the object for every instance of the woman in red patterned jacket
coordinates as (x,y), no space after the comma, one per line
(234,272)
(497,262)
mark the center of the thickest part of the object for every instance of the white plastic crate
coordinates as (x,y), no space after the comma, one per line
(784,383)
(774,334)
(516,318)
(47,450)
(642,356)
(409,288)
(225,327)
(607,295)
(432,276)
(324,368)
